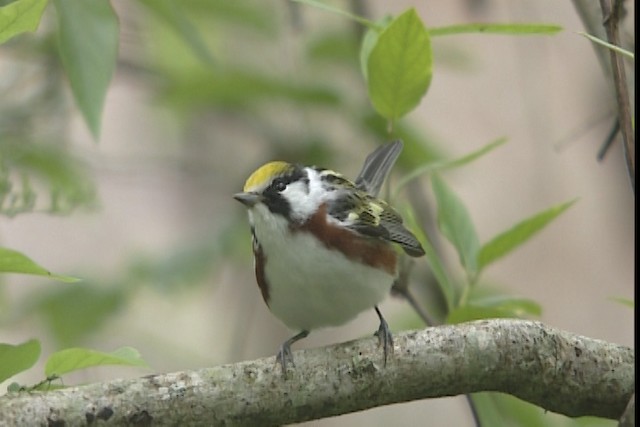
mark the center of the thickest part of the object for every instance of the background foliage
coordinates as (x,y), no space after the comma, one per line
(133,198)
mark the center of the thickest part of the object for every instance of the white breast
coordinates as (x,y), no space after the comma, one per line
(311,286)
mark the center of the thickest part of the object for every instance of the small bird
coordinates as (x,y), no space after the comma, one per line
(323,245)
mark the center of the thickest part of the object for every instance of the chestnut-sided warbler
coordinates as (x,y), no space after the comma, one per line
(323,245)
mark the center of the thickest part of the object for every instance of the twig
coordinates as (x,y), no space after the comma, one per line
(611,17)
(615,129)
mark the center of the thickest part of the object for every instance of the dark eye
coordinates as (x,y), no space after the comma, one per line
(279,184)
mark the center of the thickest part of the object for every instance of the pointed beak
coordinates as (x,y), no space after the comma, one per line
(248,199)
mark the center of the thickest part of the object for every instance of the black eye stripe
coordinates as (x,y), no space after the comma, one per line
(280,183)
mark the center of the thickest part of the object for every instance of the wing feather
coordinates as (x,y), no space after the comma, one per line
(377,166)
(358,209)
(375,218)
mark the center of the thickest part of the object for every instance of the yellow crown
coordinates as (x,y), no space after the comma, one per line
(265,173)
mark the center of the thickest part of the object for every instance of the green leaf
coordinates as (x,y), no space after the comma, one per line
(448,164)
(609,45)
(14,262)
(455,223)
(399,66)
(74,359)
(17,358)
(434,261)
(88,38)
(511,29)
(19,17)
(486,300)
(369,41)
(505,242)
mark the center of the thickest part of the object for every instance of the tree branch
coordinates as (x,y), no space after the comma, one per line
(557,370)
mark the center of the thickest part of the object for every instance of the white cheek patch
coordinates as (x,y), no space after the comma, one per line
(305,197)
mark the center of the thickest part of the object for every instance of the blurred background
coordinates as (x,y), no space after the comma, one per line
(145,215)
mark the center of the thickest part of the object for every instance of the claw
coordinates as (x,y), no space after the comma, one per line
(385,339)
(285,355)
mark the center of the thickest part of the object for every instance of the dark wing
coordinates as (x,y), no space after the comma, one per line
(377,166)
(374,218)
(392,222)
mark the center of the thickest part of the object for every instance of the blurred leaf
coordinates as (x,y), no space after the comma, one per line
(511,29)
(17,358)
(333,48)
(241,89)
(520,307)
(75,359)
(608,45)
(213,27)
(173,14)
(469,312)
(19,17)
(343,13)
(492,306)
(260,17)
(14,262)
(434,261)
(519,412)
(399,66)
(505,242)
(88,37)
(16,199)
(624,301)
(69,184)
(456,225)
(498,409)
(487,412)
(74,312)
(448,164)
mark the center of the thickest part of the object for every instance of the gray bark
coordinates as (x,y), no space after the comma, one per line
(557,370)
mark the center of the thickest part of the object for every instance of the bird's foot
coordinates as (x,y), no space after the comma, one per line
(385,339)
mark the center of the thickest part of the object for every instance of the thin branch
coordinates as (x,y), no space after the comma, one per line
(611,19)
(557,370)
(615,129)
(592,15)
